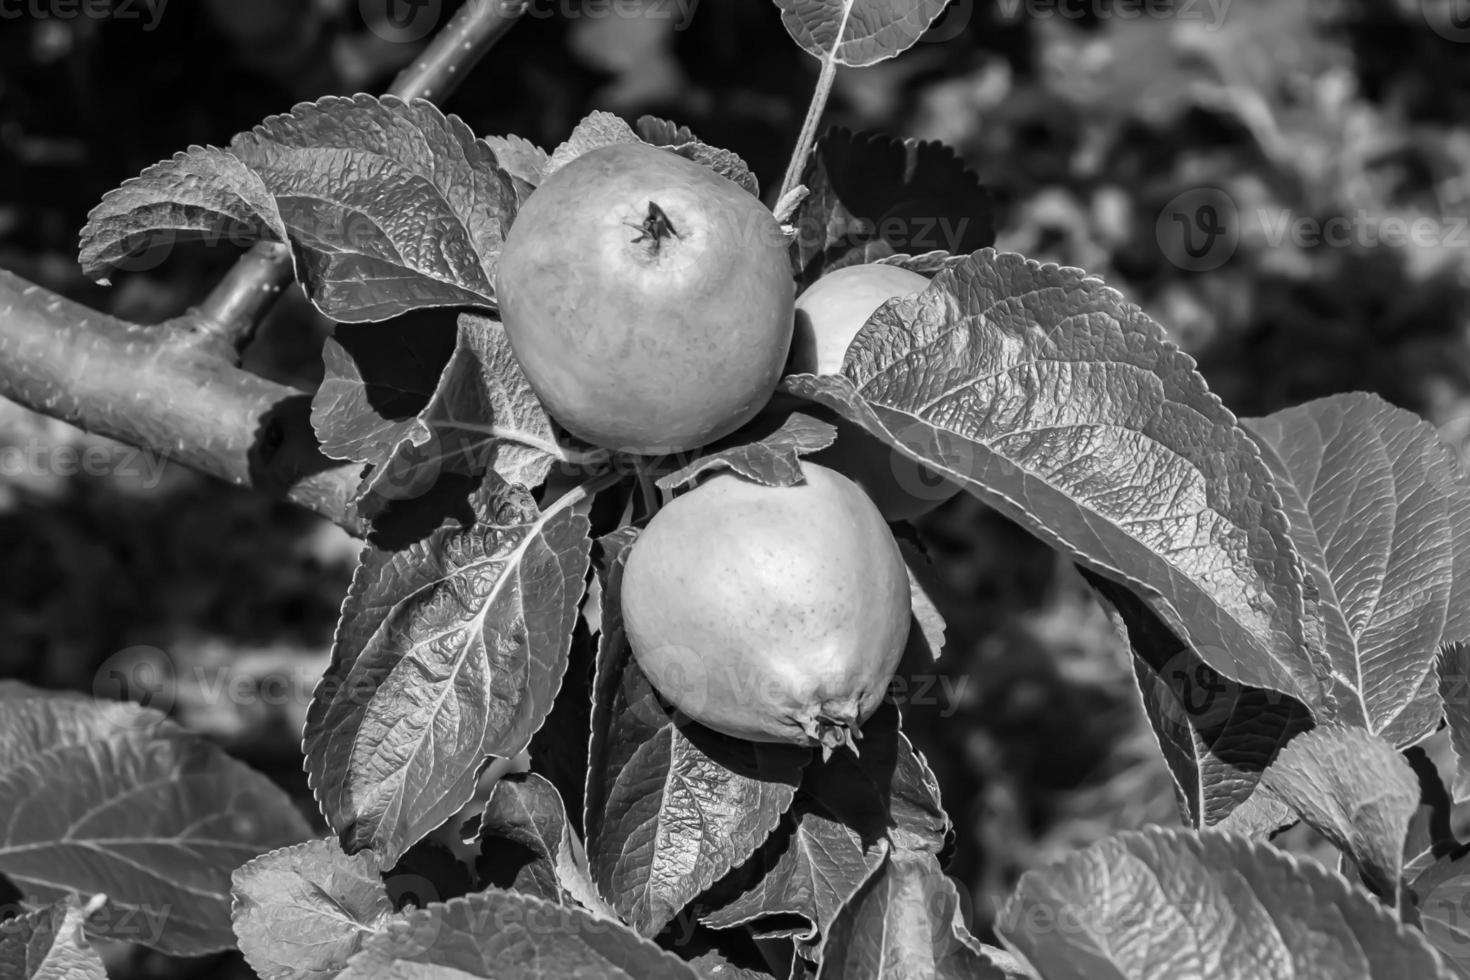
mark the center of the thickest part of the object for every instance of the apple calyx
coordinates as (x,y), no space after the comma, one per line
(834,726)
(656,228)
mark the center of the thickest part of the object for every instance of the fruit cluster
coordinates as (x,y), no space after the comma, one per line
(651,303)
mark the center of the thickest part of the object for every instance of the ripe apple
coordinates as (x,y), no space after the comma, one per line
(772,614)
(648,299)
(828,316)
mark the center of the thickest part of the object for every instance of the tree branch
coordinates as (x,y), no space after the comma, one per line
(234,309)
(175,389)
(139,385)
(457,48)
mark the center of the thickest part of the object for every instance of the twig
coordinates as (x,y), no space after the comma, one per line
(232,312)
(457,48)
(808,137)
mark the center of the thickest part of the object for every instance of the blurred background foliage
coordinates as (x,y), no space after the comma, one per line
(1085,118)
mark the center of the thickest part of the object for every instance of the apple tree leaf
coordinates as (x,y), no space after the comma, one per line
(904,922)
(505,935)
(1453,668)
(848,814)
(1047,396)
(887,790)
(874,198)
(928,264)
(482,415)
(858,33)
(301,912)
(448,651)
(1379,509)
(1217,736)
(111,798)
(726,163)
(389,205)
(670,806)
(378,378)
(810,867)
(1442,895)
(662,132)
(525,810)
(48,944)
(1217,905)
(202,193)
(1355,789)
(923,586)
(523,160)
(713,966)
(600,129)
(774,459)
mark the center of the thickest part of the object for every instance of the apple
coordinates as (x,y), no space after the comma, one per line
(648,299)
(828,316)
(772,614)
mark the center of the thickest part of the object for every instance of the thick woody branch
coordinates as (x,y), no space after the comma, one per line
(175,388)
(183,401)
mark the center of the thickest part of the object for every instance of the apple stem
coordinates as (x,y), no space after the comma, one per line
(808,137)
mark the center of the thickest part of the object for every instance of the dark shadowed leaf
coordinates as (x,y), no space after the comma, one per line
(810,867)
(501,935)
(1357,791)
(301,912)
(670,807)
(598,130)
(904,924)
(48,944)
(378,378)
(481,416)
(858,32)
(204,193)
(1431,834)
(661,132)
(448,651)
(1162,904)
(923,586)
(1217,736)
(713,966)
(889,790)
(774,459)
(114,799)
(390,206)
(1454,689)
(1043,393)
(872,196)
(526,810)
(1380,512)
(559,749)
(1442,895)
(522,159)
(429,871)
